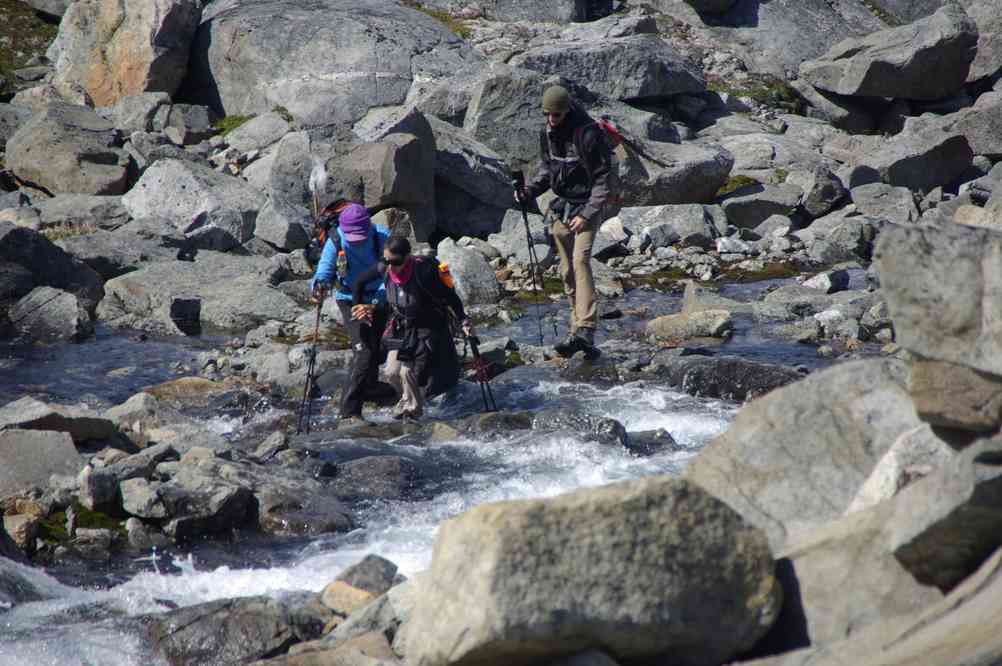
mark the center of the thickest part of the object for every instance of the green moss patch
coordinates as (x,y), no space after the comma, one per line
(771,271)
(226,125)
(765,89)
(458,28)
(735,183)
(53,528)
(24,33)
(68,231)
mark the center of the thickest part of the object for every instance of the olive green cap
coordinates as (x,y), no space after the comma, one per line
(556,98)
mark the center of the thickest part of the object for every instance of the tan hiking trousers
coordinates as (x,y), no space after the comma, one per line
(574,250)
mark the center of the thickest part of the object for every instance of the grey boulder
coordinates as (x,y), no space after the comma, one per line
(664,226)
(66,148)
(796,480)
(136,113)
(474,277)
(523,581)
(30,457)
(48,264)
(878,200)
(666,173)
(925,60)
(182,191)
(943,287)
(51,315)
(249,57)
(925,155)
(219,290)
(751,205)
(640,66)
(283,224)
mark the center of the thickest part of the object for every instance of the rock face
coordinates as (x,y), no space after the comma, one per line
(526,581)
(30,457)
(66,148)
(944,290)
(801,435)
(118,49)
(51,315)
(681,173)
(249,57)
(640,66)
(925,60)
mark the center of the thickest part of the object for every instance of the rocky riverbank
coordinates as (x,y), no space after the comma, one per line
(815,178)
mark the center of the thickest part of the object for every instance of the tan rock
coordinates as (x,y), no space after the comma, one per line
(22,528)
(956,396)
(115,49)
(344,599)
(707,323)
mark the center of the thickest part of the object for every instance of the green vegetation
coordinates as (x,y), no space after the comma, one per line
(68,231)
(551,286)
(53,528)
(881,13)
(284,112)
(769,272)
(765,89)
(456,26)
(735,183)
(668,282)
(779,175)
(23,34)
(226,125)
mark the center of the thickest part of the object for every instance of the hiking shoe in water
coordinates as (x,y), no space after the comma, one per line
(586,343)
(568,347)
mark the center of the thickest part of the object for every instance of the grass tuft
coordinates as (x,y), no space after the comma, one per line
(226,125)
(735,183)
(458,28)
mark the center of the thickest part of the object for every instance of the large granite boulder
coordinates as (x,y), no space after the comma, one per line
(11,118)
(943,287)
(925,60)
(51,315)
(214,290)
(642,568)
(182,191)
(66,148)
(29,457)
(781,464)
(48,265)
(326,62)
(474,277)
(666,173)
(640,66)
(118,49)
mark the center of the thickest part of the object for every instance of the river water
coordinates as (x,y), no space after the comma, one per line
(90,622)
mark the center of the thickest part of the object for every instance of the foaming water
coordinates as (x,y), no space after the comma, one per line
(97,627)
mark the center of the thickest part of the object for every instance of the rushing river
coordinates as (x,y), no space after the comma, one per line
(91,622)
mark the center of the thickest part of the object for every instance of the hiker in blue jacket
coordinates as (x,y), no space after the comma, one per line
(352,247)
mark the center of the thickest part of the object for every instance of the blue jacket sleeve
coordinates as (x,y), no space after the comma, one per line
(327,265)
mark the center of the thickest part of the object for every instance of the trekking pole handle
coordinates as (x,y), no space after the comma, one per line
(518,179)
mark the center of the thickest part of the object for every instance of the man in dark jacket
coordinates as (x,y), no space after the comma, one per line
(576,162)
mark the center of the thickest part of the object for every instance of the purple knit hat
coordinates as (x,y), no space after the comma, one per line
(354,221)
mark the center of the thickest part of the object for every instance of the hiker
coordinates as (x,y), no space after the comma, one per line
(576,164)
(351,246)
(422,357)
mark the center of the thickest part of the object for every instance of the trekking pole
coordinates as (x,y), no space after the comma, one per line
(318,184)
(306,406)
(518,181)
(483,378)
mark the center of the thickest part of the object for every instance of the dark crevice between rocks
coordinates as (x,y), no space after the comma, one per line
(790,631)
